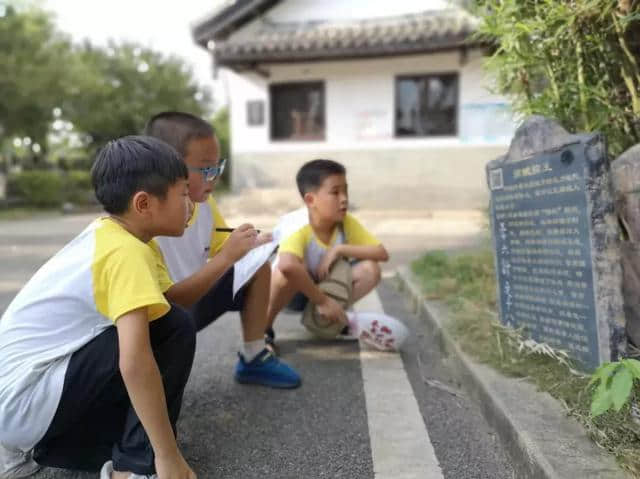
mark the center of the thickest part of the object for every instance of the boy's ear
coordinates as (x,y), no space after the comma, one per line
(308,198)
(141,202)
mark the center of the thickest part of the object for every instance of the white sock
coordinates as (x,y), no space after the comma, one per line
(250,349)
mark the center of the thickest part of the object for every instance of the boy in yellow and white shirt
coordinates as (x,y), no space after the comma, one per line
(328,233)
(203,263)
(94,358)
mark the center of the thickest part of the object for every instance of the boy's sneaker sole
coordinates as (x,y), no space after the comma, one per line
(264,382)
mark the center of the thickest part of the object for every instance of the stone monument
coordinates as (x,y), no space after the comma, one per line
(556,240)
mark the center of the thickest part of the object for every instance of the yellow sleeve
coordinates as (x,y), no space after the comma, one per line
(127,279)
(217,238)
(296,242)
(164,278)
(356,234)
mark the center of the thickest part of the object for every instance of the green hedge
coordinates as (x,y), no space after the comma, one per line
(50,189)
(78,187)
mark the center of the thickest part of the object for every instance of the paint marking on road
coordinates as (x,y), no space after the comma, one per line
(400,443)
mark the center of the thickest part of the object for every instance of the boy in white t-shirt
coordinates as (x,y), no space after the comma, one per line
(94,358)
(201,262)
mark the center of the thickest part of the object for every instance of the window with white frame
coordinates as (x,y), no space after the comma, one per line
(297,111)
(426,105)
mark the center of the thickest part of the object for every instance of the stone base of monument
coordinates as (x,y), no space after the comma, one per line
(625,174)
(534,428)
(630,253)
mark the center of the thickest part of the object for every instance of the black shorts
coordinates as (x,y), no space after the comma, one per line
(218,300)
(298,302)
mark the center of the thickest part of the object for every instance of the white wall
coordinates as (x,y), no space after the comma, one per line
(359,104)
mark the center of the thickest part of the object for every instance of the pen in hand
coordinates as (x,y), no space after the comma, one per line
(230,230)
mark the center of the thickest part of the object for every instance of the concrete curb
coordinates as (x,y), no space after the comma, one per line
(542,441)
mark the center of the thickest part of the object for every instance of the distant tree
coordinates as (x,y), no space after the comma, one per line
(34,61)
(116,89)
(96,93)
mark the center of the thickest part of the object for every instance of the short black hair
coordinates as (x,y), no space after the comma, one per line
(131,164)
(178,129)
(311,175)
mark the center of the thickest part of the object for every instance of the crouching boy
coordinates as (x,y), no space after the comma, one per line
(202,262)
(94,359)
(306,256)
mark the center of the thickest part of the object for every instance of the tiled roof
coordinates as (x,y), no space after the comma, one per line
(230,16)
(417,33)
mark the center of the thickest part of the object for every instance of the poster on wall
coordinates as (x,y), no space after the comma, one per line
(491,123)
(372,125)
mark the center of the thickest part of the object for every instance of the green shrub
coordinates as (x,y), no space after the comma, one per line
(574,61)
(49,189)
(78,188)
(615,385)
(40,188)
(79,179)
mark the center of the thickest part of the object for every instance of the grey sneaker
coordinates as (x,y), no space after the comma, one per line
(107,470)
(16,464)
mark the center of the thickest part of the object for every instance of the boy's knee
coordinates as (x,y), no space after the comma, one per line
(373,271)
(278,278)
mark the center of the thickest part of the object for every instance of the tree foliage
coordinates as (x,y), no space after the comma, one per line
(572,60)
(117,89)
(34,61)
(103,92)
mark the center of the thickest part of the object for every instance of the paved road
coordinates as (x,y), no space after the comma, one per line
(359,414)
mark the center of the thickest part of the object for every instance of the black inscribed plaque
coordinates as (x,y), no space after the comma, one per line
(541,227)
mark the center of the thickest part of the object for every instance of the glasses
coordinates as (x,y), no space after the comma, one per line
(210,173)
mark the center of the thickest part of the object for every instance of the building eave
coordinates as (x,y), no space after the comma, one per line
(222,23)
(423,32)
(248,61)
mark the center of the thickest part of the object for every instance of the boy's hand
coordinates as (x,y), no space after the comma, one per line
(263,238)
(327,261)
(240,242)
(173,467)
(331,310)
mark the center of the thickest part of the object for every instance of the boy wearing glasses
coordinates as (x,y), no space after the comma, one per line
(201,262)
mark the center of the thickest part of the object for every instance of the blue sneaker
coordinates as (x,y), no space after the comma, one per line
(266,369)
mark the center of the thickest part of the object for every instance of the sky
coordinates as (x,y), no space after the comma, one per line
(162,25)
